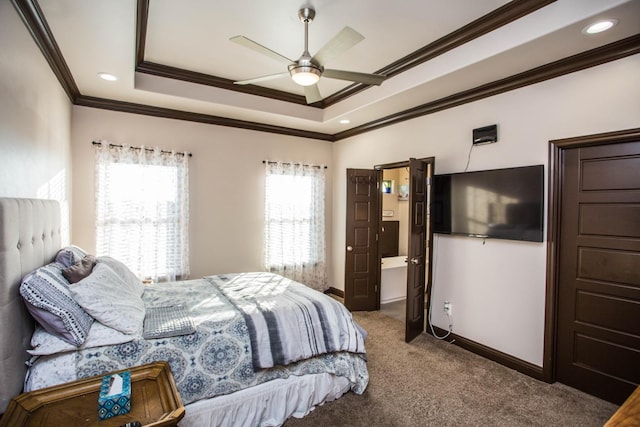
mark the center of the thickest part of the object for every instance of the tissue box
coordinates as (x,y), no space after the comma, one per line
(110,405)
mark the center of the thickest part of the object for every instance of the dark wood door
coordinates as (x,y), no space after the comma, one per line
(598,329)
(362,272)
(417,253)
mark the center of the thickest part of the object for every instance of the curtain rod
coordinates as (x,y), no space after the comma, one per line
(287,163)
(140,148)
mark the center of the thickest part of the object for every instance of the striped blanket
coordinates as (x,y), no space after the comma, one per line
(288,321)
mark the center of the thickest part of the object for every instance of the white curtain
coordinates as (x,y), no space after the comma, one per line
(142,209)
(294,222)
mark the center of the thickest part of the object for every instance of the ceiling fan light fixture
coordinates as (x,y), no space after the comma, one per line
(305,75)
(307,70)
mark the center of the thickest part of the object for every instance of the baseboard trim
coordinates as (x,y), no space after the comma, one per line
(390,300)
(507,360)
(335,291)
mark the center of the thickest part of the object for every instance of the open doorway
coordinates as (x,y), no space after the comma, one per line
(394,240)
(363,261)
(405,242)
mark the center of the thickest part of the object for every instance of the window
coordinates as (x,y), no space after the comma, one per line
(294,222)
(142,210)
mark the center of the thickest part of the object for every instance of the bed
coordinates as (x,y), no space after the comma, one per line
(234,361)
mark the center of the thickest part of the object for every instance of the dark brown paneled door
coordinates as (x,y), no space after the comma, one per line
(417,254)
(598,337)
(362,275)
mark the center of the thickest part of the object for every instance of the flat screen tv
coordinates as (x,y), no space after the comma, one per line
(498,203)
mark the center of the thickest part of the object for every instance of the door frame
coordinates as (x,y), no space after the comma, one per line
(556,152)
(429,248)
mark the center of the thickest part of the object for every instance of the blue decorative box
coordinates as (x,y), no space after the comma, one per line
(117,401)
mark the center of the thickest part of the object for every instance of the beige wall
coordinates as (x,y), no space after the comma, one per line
(35,118)
(226,181)
(497,288)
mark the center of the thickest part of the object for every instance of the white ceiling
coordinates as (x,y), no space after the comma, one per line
(100,36)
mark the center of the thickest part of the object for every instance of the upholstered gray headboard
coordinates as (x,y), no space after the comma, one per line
(30,236)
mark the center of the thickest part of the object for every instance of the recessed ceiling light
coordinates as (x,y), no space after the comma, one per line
(345,121)
(600,26)
(107,77)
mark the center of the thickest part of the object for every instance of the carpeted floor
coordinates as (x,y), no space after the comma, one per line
(396,309)
(432,383)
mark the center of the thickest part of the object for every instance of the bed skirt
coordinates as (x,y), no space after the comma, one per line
(268,404)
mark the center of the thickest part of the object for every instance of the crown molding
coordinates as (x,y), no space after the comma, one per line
(176,73)
(219,82)
(36,24)
(33,19)
(142,18)
(167,113)
(483,25)
(493,20)
(591,58)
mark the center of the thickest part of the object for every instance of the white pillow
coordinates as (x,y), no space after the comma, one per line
(43,343)
(111,301)
(124,273)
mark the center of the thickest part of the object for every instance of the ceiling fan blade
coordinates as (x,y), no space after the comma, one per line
(243,41)
(312,93)
(369,79)
(261,79)
(340,43)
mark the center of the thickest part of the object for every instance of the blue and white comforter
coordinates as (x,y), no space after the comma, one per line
(218,359)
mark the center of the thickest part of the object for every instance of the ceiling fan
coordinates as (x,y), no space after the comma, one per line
(307,70)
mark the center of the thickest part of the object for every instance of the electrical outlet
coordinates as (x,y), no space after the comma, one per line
(447,308)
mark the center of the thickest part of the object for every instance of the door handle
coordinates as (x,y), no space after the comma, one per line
(349,248)
(415,261)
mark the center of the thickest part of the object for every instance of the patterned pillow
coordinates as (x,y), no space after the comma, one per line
(70,255)
(46,294)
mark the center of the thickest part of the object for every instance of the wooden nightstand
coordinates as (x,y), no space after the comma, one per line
(627,415)
(154,402)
